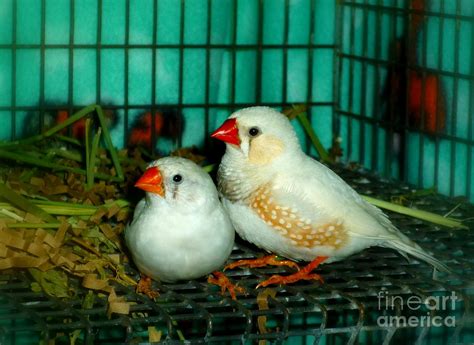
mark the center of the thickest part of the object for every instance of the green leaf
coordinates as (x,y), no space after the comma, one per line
(420,214)
(52,282)
(22,203)
(304,120)
(88,301)
(109,144)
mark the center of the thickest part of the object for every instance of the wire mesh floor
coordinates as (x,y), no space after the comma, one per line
(345,309)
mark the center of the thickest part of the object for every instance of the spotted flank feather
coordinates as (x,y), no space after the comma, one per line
(300,231)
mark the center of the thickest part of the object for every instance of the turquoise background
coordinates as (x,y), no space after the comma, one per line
(89,58)
(435,52)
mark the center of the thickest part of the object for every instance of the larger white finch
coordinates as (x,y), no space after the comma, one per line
(289,204)
(180,229)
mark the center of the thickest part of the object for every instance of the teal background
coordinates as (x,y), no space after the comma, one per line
(445,46)
(295,51)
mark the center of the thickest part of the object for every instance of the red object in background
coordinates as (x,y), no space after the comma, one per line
(141,134)
(426,108)
(168,123)
(416,19)
(412,98)
(78,128)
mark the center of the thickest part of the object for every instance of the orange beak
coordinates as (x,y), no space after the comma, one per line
(228,132)
(151,181)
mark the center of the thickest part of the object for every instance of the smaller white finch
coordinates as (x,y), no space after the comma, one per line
(180,229)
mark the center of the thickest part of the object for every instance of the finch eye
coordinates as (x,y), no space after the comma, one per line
(177,178)
(254,131)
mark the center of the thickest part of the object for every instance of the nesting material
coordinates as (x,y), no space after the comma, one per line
(56,227)
(262,301)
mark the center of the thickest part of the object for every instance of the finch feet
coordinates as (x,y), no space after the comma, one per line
(261,262)
(303,274)
(220,279)
(144,287)
(283,280)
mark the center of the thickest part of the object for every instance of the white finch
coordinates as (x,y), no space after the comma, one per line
(289,204)
(180,229)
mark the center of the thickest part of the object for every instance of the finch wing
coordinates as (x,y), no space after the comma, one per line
(327,191)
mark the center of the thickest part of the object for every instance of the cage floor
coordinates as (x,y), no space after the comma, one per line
(345,309)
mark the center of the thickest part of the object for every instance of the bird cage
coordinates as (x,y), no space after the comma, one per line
(387,86)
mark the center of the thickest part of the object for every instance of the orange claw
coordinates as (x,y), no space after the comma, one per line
(220,279)
(303,274)
(260,262)
(144,287)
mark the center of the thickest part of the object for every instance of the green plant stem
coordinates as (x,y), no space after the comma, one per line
(420,214)
(119,202)
(68,140)
(10,214)
(304,120)
(46,164)
(53,130)
(74,156)
(59,208)
(108,142)
(93,158)
(24,204)
(209,168)
(34,225)
(87,140)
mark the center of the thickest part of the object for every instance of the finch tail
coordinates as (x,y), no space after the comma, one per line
(404,245)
